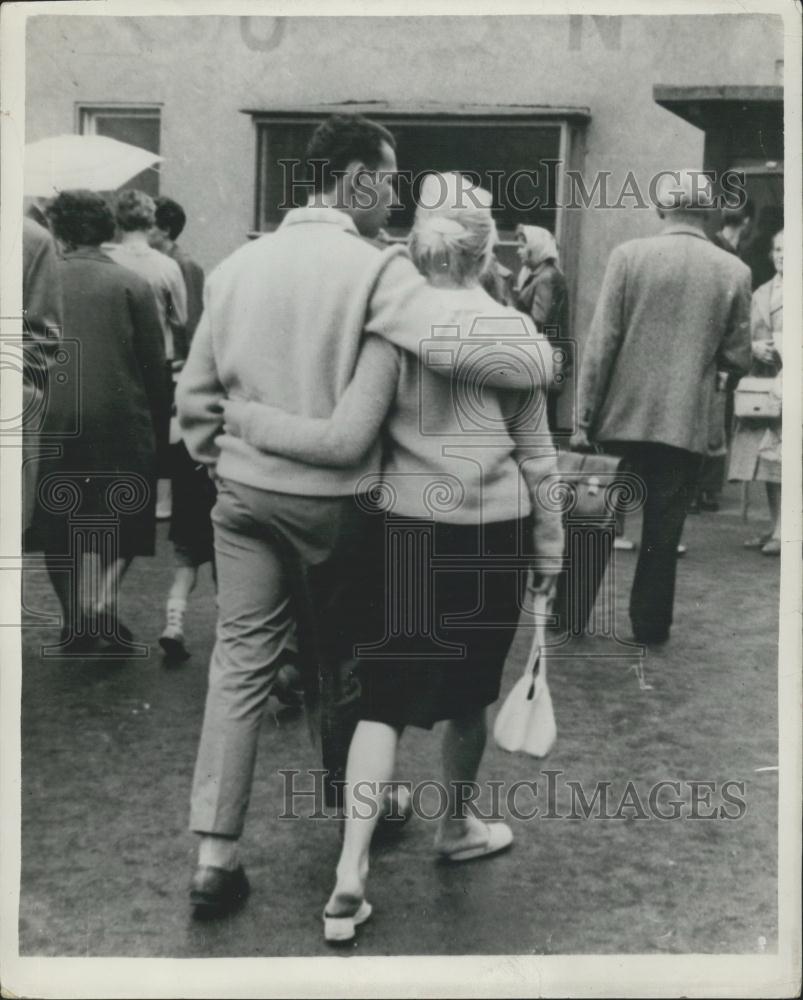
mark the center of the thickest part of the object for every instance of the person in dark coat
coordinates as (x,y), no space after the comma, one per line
(110,466)
(41,331)
(672,311)
(756,249)
(169,225)
(193,492)
(734,227)
(541,292)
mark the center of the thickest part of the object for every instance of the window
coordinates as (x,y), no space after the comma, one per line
(519,155)
(138,126)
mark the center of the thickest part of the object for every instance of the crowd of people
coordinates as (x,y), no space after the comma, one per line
(316,438)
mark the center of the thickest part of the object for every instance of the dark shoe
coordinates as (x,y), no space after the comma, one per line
(214,892)
(123,631)
(119,635)
(70,644)
(172,638)
(693,506)
(709,502)
(647,638)
(174,648)
(288,689)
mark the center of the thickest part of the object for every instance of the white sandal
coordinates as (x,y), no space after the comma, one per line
(500,837)
(342,928)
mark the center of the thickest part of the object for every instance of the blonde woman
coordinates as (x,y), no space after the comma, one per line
(466,492)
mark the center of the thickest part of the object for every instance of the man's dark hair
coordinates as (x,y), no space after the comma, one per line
(339,141)
(736,216)
(170,216)
(81,218)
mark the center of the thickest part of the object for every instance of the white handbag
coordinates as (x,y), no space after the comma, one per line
(757,397)
(526,721)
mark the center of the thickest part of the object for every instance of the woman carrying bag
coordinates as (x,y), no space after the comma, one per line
(486,523)
(526,721)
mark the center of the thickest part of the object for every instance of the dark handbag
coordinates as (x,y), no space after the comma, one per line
(589,487)
(589,480)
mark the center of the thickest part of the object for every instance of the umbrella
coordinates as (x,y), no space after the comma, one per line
(96,162)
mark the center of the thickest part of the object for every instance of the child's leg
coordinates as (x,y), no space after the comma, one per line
(183,584)
(184,580)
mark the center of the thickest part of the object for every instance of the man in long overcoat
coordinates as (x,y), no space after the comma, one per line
(672,311)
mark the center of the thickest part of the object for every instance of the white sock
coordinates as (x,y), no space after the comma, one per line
(219,852)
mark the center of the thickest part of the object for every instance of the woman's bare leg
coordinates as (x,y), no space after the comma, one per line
(774,501)
(463,747)
(183,583)
(371,760)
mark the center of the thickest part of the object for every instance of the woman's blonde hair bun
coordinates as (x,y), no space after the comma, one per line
(454,232)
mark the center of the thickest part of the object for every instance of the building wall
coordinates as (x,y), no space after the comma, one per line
(204,70)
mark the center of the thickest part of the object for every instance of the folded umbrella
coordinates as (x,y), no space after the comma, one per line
(94,162)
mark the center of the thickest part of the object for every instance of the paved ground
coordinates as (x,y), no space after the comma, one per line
(108,753)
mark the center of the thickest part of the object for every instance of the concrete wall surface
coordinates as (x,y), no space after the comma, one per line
(204,70)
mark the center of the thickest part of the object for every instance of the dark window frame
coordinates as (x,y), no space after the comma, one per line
(87,113)
(570,122)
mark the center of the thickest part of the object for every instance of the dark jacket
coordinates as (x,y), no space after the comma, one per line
(122,389)
(193,275)
(41,331)
(723,244)
(496,282)
(545,297)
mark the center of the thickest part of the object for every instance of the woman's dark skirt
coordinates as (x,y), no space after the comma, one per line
(193,497)
(452,598)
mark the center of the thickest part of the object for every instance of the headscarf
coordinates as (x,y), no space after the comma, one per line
(540,242)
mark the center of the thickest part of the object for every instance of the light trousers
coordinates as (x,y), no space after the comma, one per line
(281,559)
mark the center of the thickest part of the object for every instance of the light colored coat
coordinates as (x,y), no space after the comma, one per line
(756,445)
(165,278)
(673,310)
